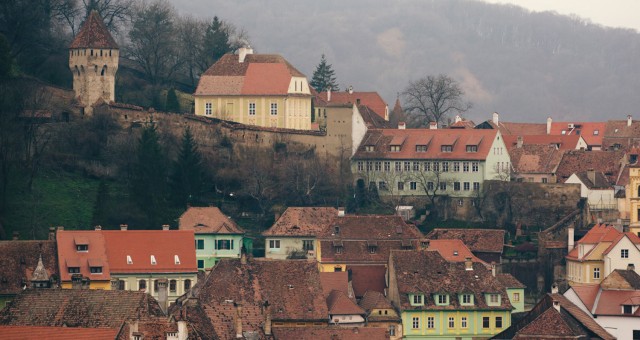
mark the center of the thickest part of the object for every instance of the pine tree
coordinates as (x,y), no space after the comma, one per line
(188,173)
(173,105)
(324,77)
(216,41)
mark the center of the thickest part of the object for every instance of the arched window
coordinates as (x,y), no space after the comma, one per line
(104,70)
(142,285)
(77,70)
(187,285)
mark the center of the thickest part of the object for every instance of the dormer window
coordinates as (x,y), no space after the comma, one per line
(176,259)
(421,148)
(336,230)
(95,270)
(369,148)
(627,309)
(472,148)
(466,299)
(493,299)
(73,270)
(338,247)
(129,260)
(417,300)
(82,247)
(596,132)
(153,260)
(372,246)
(442,299)
(81,243)
(394,148)
(446,148)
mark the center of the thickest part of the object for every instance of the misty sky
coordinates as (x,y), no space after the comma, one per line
(377,45)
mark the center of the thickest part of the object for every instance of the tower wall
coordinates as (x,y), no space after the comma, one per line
(94,74)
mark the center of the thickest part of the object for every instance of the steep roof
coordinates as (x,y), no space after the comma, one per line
(208,220)
(478,240)
(93,34)
(625,279)
(334,281)
(69,256)
(452,250)
(333,333)
(372,119)
(172,251)
(621,287)
(224,314)
(434,139)
(55,333)
(587,293)
(296,221)
(428,272)
(339,303)
(574,161)
(291,287)
(509,128)
(562,142)
(19,259)
(508,281)
(535,159)
(598,181)
(600,235)
(368,278)
(90,308)
(592,132)
(370,99)
(374,300)
(259,74)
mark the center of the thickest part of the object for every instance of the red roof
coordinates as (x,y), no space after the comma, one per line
(452,250)
(70,256)
(56,333)
(587,293)
(611,301)
(368,278)
(592,132)
(381,140)
(564,142)
(94,34)
(370,99)
(339,303)
(334,281)
(208,220)
(172,250)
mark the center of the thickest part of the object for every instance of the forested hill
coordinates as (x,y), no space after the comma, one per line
(522,64)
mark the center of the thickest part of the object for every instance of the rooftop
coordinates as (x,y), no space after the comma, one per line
(208,220)
(370,99)
(19,260)
(333,333)
(55,333)
(297,221)
(478,240)
(94,34)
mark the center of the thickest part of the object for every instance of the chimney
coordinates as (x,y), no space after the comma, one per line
(165,227)
(495,118)
(591,175)
(433,125)
(16,235)
(183,332)
(60,228)
(52,233)
(329,93)
(350,89)
(556,305)
(631,267)
(163,295)
(629,120)
(76,281)
(242,53)
(493,269)
(276,216)
(133,329)
(98,227)
(554,288)
(570,237)
(340,211)
(468,264)
(549,121)
(238,321)
(402,125)
(458,119)
(267,319)
(520,142)
(124,227)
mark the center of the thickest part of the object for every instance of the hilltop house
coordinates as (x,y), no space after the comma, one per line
(216,235)
(255,89)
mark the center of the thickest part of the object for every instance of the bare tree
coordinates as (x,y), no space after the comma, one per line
(432,98)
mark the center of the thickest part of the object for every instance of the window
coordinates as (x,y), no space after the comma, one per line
(121,285)
(274,109)
(456,186)
(155,286)
(369,148)
(494,299)
(187,285)
(274,244)
(142,285)
(445,166)
(443,299)
(472,148)
(394,148)
(596,273)
(465,166)
(452,322)
(338,251)
(498,322)
(74,270)
(307,245)
(252,109)
(430,186)
(400,186)
(415,322)
(387,166)
(456,166)
(398,166)
(474,167)
(224,244)
(392,330)
(485,322)
(82,247)
(516,297)
(372,249)
(129,260)
(407,166)
(627,309)
(476,186)
(443,186)
(427,166)
(460,202)
(596,132)
(545,180)
(360,166)
(377,165)
(208,108)
(95,270)
(153,260)
(417,299)
(369,165)
(382,186)
(413,185)
(466,186)
(431,322)
(416,166)
(466,299)
(199,244)
(446,148)
(172,286)
(176,259)
(421,148)
(200,264)
(463,322)
(624,253)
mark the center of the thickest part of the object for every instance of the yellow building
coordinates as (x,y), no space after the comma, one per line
(255,89)
(633,194)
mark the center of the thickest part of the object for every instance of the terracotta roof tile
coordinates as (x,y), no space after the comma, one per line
(333,333)
(535,159)
(509,281)
(372,119)
(521,129)
(368,279)
(478,240)
(339,303)
(223,316)
(618,132)
(208,220)
(587,293)
(69,255)
(562,142)
(611,301)
(302,222)
(55,333)
(334,281)
(452,250)
(90,308)
(381,140)
(93,34)
(608,162)
(150,328)
(374,300)
(592,132)
(599,180)
(19,260)
(370,99)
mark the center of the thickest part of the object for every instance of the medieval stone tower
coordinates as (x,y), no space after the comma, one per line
(93,59)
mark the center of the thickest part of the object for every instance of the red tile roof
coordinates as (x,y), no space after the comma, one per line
(369,99)
(163,245)
(452,250)
(372,119)
(587,293)
(333,333)
(94,34)
(535,159)
(69,256)
(631,236)
(592,132)
(381,140)
(224,314)
(611,301)
(376,300)
(509,281)
(151,328)
(369,278)
(478,240)
(334,281)
(608,162)
(19,260)
(562,142)
(339,303)
(598,182)
(208,220)
(55,333)
(297,222)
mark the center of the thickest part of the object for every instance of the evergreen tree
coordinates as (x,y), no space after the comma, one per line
(173,105)
(188,172)
(149,182)
(324,77)
(216,41)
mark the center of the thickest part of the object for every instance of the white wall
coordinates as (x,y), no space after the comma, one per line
(613,261)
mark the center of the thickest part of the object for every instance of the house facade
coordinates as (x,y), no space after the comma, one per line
(595,187)
(216,235)
(633,197)
(82,259)
(443,300)
(255,89)
(430,162)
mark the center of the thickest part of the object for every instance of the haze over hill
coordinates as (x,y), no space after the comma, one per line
(524,65)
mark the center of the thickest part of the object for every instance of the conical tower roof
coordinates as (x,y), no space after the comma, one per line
(40,273)
(94,34)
